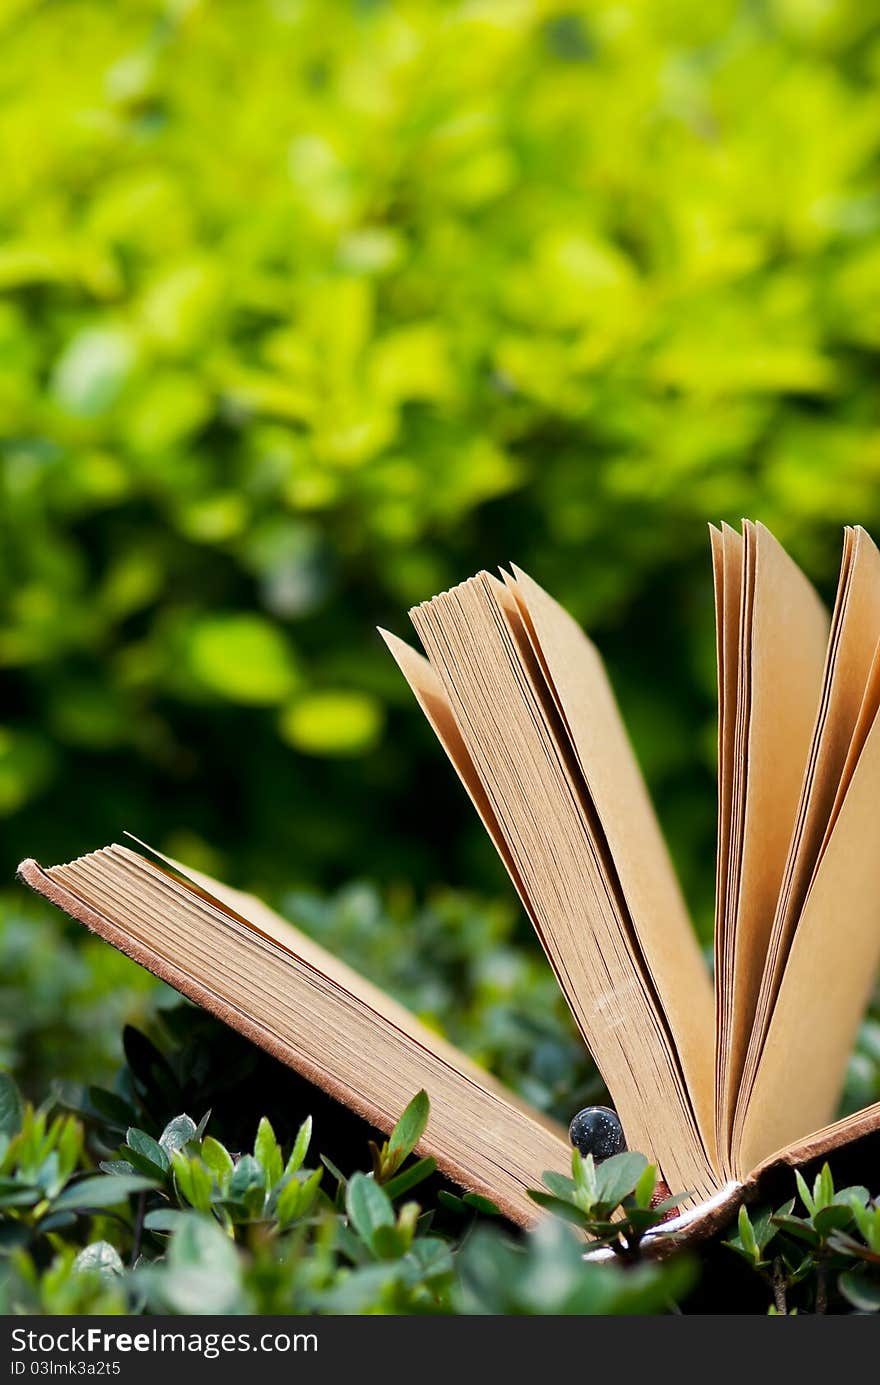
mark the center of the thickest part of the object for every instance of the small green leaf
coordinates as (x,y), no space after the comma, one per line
(164,1219)
(300,1146)
(368,1206)
(267,1153)
(806,1197)
(177,1133)
(410,1178)
(101,1191)
(484,1205)
(193,1181)
(247,1174)
(407,1132)
(560,1184)
(618,1176)
(747,1235)
(645,1187)
(823,1189)
(296,1198)
(117,1166)
(102,1258)
(150,1149)
(217,1158)
(566,1210)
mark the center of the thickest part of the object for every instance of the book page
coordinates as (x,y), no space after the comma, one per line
(783,636)
(495,683)
(640,857)
(727,571)
(827,980)
(846,711)
(346,1041)
(255,913)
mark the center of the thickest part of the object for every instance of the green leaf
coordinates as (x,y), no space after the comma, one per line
(408,1131)
(431,1257)
(102,1258)
(11,1107)
(560,1184)
(863,1293)
(164,1219)
(110,1107)
(193,1180)
(806,1196)
(747,1236)
(217,1158)
(150,1149)
(566,1210)
(484,1205)
(177,1133)
(586,1177)
(242,657)
(105,1190)
(113,1109)
(246,1175)
(267,1153)
(296,1197)
(409,1178)
(801,1230)
(389,1242)
(332,723)
(300,1146)
(368,1206)
(645,1187)
(117,1166)
(618,1176)
(833,1217)
(203,1273)
(823,1188)
(16,1193)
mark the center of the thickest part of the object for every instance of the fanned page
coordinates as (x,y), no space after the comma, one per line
(768,711)
(229,953)
(825,942)
(519,700)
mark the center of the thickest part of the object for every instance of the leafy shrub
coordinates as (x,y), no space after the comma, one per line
(455,283)
(181,1225)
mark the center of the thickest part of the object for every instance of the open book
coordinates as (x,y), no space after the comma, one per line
(715,1090)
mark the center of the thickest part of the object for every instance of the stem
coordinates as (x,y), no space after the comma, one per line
(821,1288)
(778,1283)
(138,1227)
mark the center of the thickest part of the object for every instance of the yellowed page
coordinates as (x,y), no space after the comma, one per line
(784,631)
(727,566)
(505,713)
(253,910)
(836,743)
(431,697)
(827,980)
(299,1013)
(639,854)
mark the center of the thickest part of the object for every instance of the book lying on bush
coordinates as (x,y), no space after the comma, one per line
(714,1092)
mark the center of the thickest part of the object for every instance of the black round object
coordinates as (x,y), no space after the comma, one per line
(597,1130)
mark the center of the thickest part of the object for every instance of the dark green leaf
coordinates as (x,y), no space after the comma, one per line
(100,1191)
(410,1178)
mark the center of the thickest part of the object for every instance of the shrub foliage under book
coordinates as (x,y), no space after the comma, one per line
(104,1209)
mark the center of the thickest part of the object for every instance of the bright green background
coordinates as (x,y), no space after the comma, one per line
(308,310)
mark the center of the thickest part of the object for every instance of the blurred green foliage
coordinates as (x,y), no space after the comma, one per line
(308,308)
